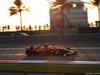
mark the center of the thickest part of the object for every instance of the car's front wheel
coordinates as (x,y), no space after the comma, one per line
(28,52)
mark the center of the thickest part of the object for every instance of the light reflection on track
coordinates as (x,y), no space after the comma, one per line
(88,54)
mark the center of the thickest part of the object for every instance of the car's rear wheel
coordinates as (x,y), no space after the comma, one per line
(28,52)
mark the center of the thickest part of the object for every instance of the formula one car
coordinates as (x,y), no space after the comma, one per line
(48,49)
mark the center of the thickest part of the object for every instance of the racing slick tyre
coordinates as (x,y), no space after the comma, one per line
(75,53)
(28,52)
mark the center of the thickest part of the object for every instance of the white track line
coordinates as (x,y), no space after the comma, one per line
(12,48)
(49,62)
(85,47)
(70,47)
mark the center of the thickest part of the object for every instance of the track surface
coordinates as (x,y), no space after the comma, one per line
(83,54)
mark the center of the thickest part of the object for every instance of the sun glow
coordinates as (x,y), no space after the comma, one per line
(38,15)
(39,12)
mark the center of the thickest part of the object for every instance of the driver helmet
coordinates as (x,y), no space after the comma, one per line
(47,44)
(50,48)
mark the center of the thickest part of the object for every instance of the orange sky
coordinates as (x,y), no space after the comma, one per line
(39,14)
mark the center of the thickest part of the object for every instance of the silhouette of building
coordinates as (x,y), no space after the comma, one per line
(72,15)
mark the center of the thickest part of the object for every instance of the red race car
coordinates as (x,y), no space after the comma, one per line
(48,49)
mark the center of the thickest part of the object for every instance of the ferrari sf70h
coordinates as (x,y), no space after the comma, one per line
(48,49)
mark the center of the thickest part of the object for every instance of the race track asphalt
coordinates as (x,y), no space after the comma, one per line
(83,54)
(65,44)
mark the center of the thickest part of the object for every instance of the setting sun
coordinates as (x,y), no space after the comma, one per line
(39,12)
